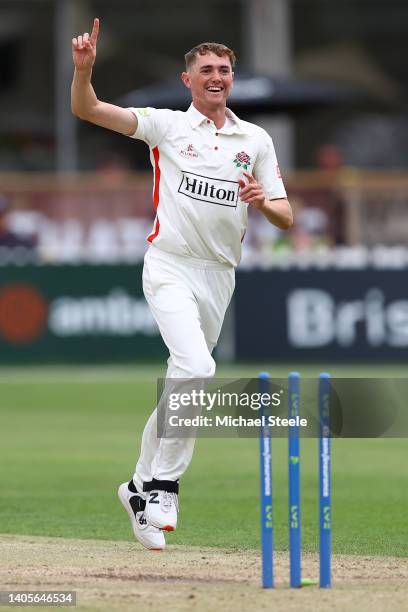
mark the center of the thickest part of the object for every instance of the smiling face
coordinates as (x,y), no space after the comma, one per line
(210,79)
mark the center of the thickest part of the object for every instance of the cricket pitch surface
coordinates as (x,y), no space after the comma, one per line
(109,575)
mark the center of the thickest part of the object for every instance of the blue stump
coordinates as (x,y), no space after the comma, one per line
(324,481)
(294,482)
(265,455)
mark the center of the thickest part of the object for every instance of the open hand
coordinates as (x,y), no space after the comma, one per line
(84,48)
(251,192)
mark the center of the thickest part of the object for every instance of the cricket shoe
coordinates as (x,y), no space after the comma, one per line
(162,503)
(149,536)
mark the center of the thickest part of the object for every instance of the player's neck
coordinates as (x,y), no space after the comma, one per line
(217,115)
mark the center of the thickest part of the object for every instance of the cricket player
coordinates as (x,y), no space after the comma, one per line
(208,166)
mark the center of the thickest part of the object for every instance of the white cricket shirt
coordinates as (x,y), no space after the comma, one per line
(196,170)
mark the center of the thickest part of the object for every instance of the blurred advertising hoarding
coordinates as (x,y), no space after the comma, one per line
(315,315)
(75,314)
(97,314)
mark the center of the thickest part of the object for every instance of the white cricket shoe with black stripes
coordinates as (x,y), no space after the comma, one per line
(162,503)
(149,536)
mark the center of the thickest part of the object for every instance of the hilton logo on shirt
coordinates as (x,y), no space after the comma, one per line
(207,189)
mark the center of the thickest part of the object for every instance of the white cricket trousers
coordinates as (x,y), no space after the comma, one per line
(188,298)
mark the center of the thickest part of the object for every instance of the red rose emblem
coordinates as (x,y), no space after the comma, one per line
(242,159)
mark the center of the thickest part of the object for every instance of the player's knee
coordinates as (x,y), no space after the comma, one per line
(203,367)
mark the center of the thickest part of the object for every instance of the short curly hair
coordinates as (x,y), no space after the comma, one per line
(209,47)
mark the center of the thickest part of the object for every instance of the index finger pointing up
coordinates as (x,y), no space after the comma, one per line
(95,31)
(249,177)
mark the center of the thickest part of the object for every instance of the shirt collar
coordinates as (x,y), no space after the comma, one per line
(196,118)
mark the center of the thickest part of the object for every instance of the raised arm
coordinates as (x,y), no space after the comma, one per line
(84,103)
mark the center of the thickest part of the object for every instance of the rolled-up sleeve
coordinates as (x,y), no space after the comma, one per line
(152,124)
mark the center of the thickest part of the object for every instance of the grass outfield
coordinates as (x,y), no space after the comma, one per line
(69,436)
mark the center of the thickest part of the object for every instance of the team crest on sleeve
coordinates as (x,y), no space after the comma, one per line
(242,160)
(143,112)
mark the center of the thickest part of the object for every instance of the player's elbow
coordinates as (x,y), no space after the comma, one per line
(80,113)
(286,218)
(287,223)
(75,112)
(76,109)
(84,111)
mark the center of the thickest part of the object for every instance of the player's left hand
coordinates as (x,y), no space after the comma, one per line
(251,192)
